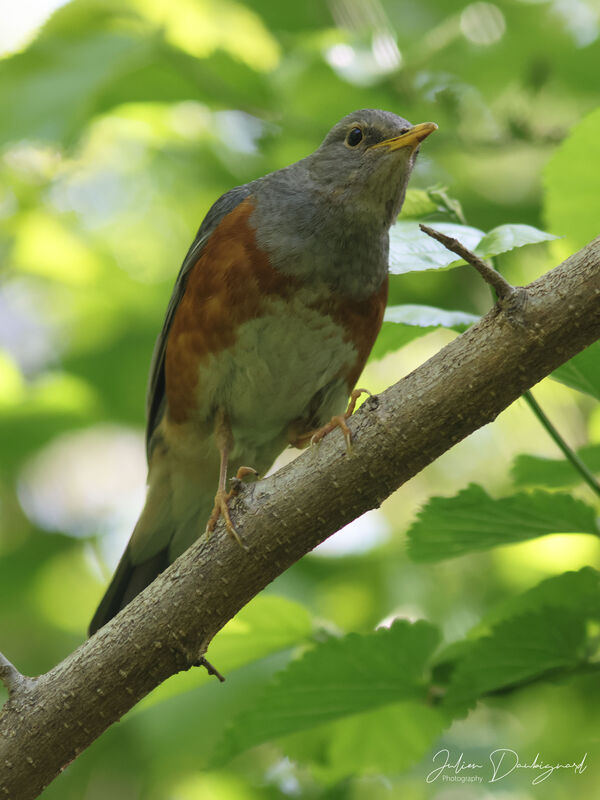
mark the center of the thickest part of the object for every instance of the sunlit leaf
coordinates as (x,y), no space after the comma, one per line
(530,470)
(356,673)
(578,591)
(429,317)
(201,28)
(417,204)
(58,84)
(582,372)
(572,181)
(411,250)
(518,649)
(402,324)
(472,521)
(507,237)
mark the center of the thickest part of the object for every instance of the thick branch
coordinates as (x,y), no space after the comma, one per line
(167,628)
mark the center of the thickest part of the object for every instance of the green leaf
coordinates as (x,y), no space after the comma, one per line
(268,624)
(417,204)
(582,372)
(572,182)
(429,317)
(402,324)
(386,740)
(451,526)
(411,250)
(577,591)
(518,649)
(508,237)
(553,472)
(355,674)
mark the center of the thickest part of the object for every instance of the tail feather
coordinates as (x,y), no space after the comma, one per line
(127,582)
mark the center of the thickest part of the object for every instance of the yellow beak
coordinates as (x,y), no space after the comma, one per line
(411,138)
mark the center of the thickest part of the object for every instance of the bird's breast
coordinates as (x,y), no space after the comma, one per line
(258,343)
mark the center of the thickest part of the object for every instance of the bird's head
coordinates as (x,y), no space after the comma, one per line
(366,160)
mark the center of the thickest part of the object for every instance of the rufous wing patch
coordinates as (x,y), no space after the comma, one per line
(231,283)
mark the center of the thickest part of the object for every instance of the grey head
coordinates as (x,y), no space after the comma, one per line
(365,163)
(327,217)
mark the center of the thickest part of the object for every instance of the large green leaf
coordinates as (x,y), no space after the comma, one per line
(572,181)
(506,237)
(582,372)
(472,521)
(518,649)
(402,324)
(354,674)
(538,471)
(411,250)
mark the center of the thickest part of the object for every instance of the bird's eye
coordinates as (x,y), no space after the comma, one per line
(354,137)
(403,131)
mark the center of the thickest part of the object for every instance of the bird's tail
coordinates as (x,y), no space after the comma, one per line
(127,582)
(178,504)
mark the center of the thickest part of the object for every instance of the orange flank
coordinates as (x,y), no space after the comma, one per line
(230,284)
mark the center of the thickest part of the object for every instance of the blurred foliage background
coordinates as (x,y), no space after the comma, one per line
(122,122)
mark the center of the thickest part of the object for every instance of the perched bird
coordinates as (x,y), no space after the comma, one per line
(273,315)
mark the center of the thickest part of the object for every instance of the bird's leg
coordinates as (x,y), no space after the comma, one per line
(224,440)
(339,421)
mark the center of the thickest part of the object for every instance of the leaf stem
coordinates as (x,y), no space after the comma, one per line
(568,452)
(491,276)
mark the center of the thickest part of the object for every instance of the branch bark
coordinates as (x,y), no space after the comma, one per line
(48,721)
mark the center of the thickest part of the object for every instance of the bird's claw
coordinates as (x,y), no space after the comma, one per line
(339,421)
(221,505)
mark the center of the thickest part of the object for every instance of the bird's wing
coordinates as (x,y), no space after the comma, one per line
(155,397)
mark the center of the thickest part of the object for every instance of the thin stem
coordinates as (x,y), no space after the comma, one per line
(210,668)
(502,287)
(569,453)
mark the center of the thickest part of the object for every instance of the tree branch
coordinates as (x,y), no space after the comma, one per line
(167,628)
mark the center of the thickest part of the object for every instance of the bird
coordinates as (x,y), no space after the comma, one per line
(273,315)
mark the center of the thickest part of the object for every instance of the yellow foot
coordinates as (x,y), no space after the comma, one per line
(221,506)
(339,421)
